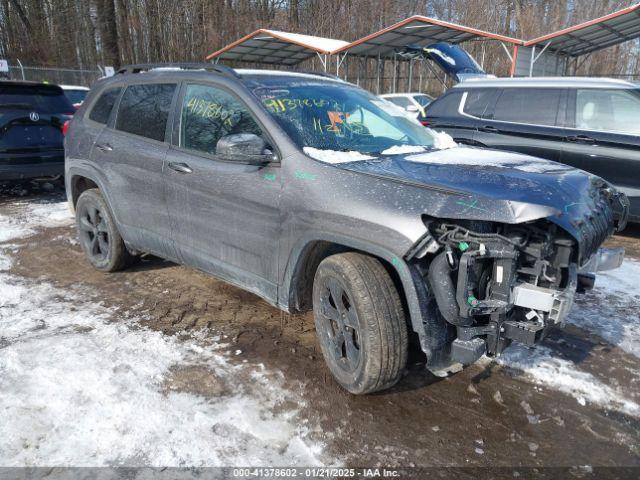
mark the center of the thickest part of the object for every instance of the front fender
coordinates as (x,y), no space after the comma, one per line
(414,288)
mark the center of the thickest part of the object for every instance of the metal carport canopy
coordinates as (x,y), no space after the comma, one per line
(277,48)
(417,30)
(603,32)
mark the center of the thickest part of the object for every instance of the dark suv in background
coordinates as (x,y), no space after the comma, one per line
(314,194)
(592,124)
(32,117)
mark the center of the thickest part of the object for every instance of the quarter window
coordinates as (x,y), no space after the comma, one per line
(102,108)
(535,106)
(477,101)
(144,110)
(608,110)
(208,114)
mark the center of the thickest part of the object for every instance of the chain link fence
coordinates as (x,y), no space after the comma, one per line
(60,76)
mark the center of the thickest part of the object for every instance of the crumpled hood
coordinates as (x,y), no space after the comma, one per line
(494,185)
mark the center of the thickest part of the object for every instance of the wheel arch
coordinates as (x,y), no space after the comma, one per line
(297,286)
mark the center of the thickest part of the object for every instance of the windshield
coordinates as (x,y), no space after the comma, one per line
(41,99)
(340,117)
(76,96)
(423,100)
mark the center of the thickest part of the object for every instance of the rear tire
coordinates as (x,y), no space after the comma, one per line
(98,233)
(360,322)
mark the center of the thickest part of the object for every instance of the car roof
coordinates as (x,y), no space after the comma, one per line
(547,82)
(74,87)
(410,94)
(27,83)
(244,75)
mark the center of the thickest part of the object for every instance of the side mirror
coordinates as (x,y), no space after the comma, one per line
(412,109)
(244,148)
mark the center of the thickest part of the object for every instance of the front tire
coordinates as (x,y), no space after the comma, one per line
(98,233)
(360,322)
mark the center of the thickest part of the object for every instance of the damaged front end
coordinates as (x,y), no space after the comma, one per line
(493,283)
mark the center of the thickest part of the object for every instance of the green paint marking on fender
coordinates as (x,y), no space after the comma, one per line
(395,261)
(473,205)
(305,176)
(270,176)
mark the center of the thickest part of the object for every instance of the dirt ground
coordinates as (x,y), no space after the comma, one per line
(479,417)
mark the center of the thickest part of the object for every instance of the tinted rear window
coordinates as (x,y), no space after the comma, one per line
(39,98)
(446,105)
(144,110)
(102,108)
(536,106)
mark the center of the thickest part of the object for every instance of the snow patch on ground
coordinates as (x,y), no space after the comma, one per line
(27,217)
(612,309)
(86,385)
(611,312)
(545,369)
(334,156)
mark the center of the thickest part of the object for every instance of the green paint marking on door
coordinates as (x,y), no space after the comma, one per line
(305,176)
(270,176)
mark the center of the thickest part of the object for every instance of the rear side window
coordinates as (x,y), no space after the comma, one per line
(445,106)
(144,110)
(39,98)
(102,108)
(614,111)
(477,101)
(535,106)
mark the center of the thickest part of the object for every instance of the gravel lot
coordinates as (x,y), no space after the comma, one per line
(162,365)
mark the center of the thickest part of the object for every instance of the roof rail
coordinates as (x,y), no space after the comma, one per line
(145,67)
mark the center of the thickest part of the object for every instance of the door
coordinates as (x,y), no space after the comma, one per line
(603,137)
(131,157)
(225,215)
(444,115)
(525,120)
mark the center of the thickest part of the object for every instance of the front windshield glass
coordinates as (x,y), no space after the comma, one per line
(423,100)
(340,117)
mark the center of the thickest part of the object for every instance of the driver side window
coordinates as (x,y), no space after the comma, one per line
(210,113)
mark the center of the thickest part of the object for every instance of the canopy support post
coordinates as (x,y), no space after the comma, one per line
(339,63)
(378,76)
(323,61)
(535,58)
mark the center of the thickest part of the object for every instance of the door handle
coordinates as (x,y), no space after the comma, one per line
(489,129)
(580,138)
(180,167)
(104,147)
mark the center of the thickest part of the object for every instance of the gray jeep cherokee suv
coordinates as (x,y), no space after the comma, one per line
(314,194)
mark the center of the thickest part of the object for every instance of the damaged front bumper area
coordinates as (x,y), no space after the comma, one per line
(494,283)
